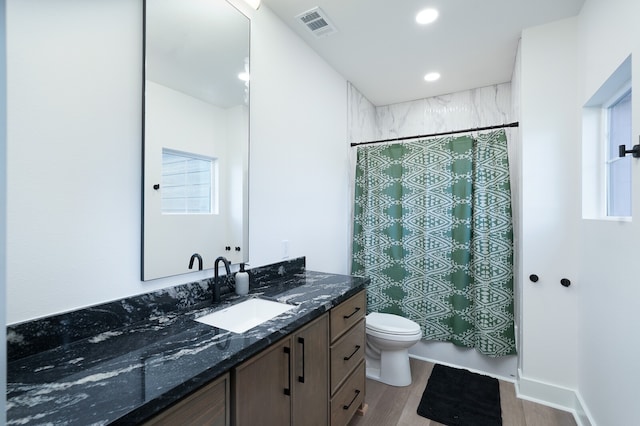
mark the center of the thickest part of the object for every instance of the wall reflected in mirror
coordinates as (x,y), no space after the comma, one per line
(195,135)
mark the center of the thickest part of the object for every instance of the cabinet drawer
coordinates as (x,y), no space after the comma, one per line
(349,397)
(346,354)
(207,406)
(345,315)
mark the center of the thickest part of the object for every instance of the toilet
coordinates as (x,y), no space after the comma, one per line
(389,338)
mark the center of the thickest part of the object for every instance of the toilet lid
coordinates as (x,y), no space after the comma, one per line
(389,323)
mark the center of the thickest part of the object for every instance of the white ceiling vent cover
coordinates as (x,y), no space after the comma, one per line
(316,21)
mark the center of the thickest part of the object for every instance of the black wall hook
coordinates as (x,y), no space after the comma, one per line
(635,151)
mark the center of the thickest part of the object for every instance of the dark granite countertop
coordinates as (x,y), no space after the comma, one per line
(129,371)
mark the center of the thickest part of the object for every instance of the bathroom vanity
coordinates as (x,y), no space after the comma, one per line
(146,359)
(298,380)
(322,379)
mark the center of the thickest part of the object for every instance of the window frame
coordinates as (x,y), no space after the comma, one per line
(610,159)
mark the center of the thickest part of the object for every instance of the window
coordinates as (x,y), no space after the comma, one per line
(606,124)
(618,170)
(187,183)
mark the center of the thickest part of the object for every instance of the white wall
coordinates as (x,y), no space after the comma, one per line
(299,168)
(515,168)
(3,211)
(582,338)
(74,154)
(550,206)
(608,348)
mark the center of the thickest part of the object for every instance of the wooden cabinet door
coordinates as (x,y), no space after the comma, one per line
(262,387)
(310,396)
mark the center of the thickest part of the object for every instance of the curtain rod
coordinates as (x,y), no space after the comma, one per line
(453,132)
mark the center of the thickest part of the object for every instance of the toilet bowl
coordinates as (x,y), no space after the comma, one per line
(389,338)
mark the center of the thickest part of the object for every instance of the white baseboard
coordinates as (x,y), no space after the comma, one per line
(504,368)
(554,396)
(473,370)
(582,414)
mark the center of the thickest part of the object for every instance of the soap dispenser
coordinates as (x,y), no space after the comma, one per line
(242,281)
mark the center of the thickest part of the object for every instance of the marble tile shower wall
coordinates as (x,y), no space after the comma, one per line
(361,116)
(485,106)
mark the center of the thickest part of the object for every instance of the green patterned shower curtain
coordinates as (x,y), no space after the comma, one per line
(433,231)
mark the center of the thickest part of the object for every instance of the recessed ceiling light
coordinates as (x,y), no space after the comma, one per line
(432,76)
(426,16)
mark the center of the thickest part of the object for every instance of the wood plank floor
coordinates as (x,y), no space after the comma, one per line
(389,405)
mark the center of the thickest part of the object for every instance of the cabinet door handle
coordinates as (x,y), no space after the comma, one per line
(301,341)
(346,407)
(287,390)
(352,314)
(347,358)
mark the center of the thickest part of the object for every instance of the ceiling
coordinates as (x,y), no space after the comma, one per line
(385,54)
(198,48)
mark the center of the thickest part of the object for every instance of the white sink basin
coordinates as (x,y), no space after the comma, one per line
(245,315)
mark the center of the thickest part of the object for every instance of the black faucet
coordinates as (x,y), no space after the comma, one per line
(196,256)
(216,284)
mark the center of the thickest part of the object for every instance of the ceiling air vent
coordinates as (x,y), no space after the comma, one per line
(317,22)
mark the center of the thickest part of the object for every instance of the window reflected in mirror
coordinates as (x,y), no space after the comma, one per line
(188,183)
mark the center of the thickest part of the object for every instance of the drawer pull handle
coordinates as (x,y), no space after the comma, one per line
(352,314)
(287,351)
(347,358)
(346,407)
(301,341)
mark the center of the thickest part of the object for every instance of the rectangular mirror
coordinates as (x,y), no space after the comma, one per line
(195,135)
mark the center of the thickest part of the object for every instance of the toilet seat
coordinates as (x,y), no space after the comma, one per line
(381,323)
